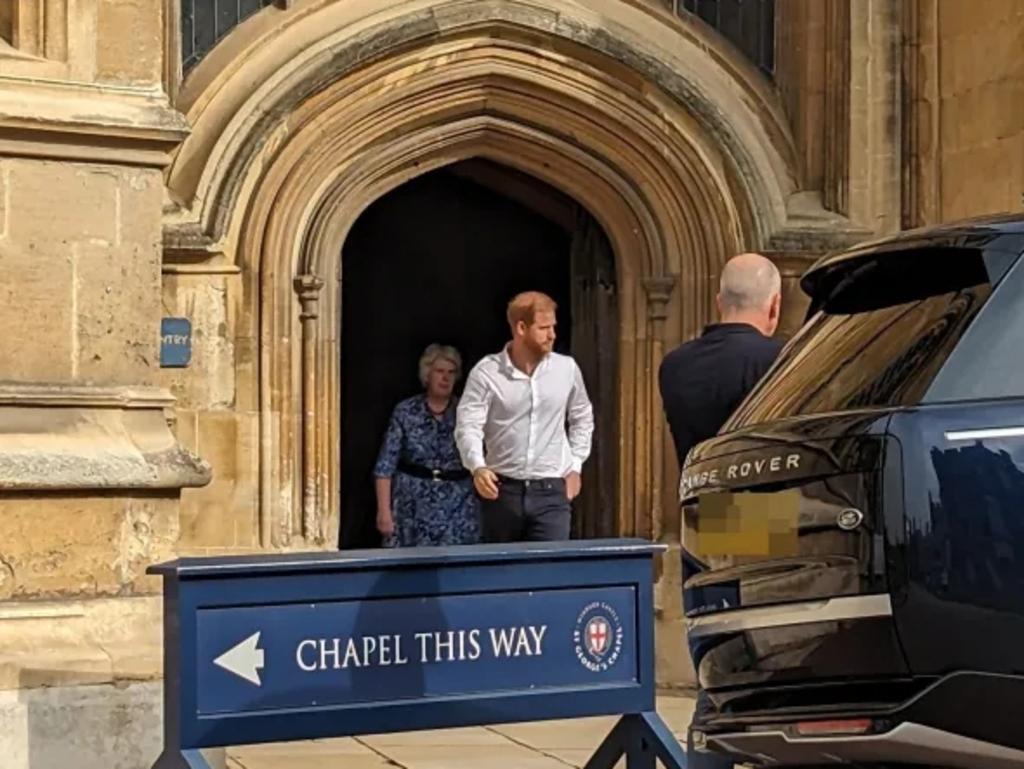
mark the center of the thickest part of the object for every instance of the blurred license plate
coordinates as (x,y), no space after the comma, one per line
(747,524)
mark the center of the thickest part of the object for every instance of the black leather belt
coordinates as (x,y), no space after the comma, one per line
(430,473)
(532,483)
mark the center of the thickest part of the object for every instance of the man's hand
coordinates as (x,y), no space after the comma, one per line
(573,484)
(486,483)
(385,523)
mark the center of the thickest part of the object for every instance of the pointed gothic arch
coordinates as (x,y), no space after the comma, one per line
(318,117)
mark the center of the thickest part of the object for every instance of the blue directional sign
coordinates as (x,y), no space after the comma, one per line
(290,647)
(350,652)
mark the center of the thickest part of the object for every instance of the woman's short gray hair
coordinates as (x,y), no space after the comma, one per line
(436,352)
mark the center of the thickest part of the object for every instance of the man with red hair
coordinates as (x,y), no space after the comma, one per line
(516,404)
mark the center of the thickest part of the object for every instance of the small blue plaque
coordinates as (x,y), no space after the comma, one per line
(175,342)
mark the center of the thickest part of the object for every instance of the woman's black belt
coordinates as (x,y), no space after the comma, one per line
(421,471)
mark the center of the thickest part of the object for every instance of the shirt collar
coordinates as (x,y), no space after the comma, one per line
(429,415)
(730,328)
(512,370)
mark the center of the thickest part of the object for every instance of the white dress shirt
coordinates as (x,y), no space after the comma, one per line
(521,419)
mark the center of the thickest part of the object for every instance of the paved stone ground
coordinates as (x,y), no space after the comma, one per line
(541,745)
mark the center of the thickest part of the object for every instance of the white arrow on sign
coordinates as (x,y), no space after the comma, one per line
(245,660)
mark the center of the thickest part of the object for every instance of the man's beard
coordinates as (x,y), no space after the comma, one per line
(539,348)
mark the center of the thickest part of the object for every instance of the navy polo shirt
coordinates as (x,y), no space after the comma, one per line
(703,381)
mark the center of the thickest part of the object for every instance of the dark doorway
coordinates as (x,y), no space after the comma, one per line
(436,261)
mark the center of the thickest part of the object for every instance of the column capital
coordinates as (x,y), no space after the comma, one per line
(307,287)
(659,290)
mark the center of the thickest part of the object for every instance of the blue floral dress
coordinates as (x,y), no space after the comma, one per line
(426,511)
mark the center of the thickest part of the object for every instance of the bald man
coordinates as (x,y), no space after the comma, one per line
(703,381)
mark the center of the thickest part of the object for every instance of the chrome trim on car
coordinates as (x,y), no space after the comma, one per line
(910,743)
(805,612)
(979,435)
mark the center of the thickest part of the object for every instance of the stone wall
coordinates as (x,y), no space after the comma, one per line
(800,71)
(79,245)
(90,472)
(964,153)
(213,416)
(981,108)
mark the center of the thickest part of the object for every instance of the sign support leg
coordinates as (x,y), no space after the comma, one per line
(182,759)
(665,744)
(642,739)
(639,751)
(611,748)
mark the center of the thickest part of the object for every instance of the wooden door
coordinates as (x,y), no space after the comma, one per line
(595,333)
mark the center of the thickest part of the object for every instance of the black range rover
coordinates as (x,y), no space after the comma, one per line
(853,539)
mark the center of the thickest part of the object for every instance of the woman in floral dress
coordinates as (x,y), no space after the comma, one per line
(424,494)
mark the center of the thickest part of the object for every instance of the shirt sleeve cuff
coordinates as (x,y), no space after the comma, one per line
(577,465)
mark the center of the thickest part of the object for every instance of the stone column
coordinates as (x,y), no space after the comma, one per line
(659,291)
(308,289)
(875,114)
(673,661)
(792,266)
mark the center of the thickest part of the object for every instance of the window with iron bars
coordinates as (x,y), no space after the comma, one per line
(205,22)
(747,24)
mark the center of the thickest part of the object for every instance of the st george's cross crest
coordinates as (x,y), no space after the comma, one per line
(598,634)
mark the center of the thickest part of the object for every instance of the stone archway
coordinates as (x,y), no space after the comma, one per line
(436,260)
(321,115)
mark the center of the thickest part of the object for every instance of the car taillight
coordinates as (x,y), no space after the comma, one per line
(842,726)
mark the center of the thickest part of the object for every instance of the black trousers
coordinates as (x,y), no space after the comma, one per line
(526,511)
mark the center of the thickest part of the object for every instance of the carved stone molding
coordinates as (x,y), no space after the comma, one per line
(35,29)
(875,114)
(308,289)
(78,438)
(683,60)
(89,123)
(53,395)
(922,123)
(659,291)
(274,181)
(836,190)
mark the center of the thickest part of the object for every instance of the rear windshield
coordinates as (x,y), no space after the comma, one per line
(879,335)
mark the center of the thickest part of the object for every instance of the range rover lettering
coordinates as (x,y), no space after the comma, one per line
(853,539)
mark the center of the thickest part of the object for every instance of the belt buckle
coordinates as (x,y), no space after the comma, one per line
(437,475)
